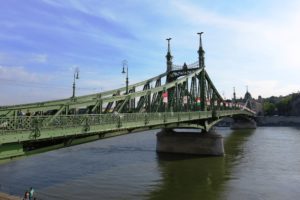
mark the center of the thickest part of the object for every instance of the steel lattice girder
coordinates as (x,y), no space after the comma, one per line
(27,128)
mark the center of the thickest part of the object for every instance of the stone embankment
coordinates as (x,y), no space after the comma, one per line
(268,121)
(4,196)
(278,121)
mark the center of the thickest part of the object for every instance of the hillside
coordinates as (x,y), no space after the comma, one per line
(283,105)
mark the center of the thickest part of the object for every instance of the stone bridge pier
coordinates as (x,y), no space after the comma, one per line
(186,142)
(182,141)
(243,122)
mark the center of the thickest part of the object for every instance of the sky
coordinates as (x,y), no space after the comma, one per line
(247,43)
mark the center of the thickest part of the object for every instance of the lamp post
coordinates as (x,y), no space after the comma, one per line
(125,64)
(76,76)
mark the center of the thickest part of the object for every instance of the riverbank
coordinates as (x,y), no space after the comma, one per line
(278,121)
(4,196)
(270,121)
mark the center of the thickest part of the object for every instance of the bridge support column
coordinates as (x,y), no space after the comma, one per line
(241,123)
(209,144)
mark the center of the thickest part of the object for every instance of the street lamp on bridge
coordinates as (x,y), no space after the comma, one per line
(76,76)
(125,64)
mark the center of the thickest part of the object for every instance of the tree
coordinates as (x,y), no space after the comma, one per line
(284,106)
(269,108)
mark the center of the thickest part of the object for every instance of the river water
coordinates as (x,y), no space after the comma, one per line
(259,164)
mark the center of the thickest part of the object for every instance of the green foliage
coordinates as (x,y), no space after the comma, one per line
(285,106)
(269,108)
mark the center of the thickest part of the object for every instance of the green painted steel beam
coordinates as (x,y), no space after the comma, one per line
(90,127)
(212,85)
(55,104)
(92,124)
(90,99)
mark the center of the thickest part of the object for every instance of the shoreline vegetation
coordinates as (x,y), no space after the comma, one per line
(282,106)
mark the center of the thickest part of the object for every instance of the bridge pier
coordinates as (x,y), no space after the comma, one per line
(243,123)
(208,144)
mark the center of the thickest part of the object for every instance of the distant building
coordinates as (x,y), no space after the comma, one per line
(260,106)
(256,105)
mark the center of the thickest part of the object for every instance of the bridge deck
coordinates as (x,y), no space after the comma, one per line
(27,128)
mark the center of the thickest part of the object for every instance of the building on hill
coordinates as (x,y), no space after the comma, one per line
(256,105)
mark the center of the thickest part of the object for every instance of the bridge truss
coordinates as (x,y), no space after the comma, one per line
(188,98)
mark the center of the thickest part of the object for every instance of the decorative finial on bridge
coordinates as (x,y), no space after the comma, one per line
(200,34)
(169,57)
(201,52)
(234,95)
(168,39)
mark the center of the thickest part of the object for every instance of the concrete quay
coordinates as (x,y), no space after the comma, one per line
(4,196)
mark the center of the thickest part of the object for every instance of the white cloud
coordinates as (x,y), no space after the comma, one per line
(247,47)
(22,86)
(39,58)
(2,57)
(20,73)
(197,15)
(16,73)
(52,2)
(106,83)
(265,47)
(23,58)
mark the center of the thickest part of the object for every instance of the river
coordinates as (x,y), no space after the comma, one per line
(259,164)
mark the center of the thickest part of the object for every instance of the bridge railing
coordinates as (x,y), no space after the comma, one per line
(22,123)
(115,120)
(190,66)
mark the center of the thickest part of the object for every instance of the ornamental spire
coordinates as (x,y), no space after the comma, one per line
(169,57)
(201,52)
(234,95)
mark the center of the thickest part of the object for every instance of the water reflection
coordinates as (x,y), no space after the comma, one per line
(234,146)
(269,160)
(189,178)
(194,177)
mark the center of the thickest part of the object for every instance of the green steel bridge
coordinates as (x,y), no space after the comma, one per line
(186,99)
